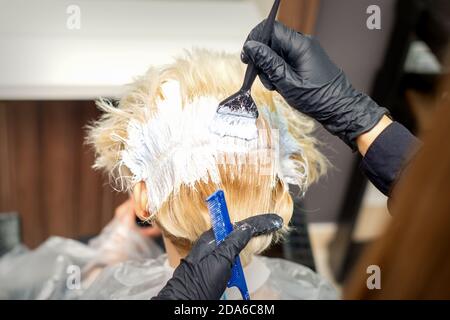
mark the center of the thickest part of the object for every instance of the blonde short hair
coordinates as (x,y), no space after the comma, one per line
(183,215)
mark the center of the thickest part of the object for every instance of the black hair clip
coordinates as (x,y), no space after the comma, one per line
(143,223)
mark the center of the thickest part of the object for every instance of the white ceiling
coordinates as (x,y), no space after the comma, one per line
(40,58)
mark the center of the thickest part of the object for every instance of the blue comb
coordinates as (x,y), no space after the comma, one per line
(222,227)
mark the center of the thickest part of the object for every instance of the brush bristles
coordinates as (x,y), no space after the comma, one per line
(236,117)
(226,125)
(241,104)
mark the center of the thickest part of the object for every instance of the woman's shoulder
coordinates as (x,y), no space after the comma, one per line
(132,279)
(296,281)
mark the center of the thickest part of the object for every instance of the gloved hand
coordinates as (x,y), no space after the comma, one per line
(299,69)
(204,273)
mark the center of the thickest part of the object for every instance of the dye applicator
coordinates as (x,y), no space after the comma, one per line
(236,115)
(222,227)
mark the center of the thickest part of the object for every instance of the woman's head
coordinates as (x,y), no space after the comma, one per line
(158,143)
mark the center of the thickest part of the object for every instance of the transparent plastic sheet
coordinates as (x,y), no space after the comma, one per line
(122,264)
(267,278)
(292,281)
(43,273)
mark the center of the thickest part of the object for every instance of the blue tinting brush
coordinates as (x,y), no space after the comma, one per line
(222,227)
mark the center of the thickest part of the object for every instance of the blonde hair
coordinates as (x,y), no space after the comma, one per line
(184,215)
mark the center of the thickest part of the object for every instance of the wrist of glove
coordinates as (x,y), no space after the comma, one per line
(204,273)
(299,69)
(342,110)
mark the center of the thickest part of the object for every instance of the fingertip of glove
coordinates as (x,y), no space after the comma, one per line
(244,57)
(276,222)
(250,46)
(261,224)
(248,52)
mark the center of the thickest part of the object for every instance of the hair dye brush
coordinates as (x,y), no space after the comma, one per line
(222,227)
(236,115)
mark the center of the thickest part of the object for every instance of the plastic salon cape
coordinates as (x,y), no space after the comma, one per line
(121,264)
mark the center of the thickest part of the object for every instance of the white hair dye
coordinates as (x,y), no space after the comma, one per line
(175,147)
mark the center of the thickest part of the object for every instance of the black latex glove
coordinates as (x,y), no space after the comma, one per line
(299,69)
(204,273)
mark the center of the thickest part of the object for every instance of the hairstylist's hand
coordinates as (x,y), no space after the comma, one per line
(204,273)
(299,69)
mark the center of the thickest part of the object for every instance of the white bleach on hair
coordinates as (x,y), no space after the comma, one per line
(175,147)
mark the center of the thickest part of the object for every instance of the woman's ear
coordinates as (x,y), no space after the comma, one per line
(141,200)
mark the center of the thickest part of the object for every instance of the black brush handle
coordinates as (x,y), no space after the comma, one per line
(251,72)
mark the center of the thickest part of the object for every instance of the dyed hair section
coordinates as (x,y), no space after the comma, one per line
(183,215)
